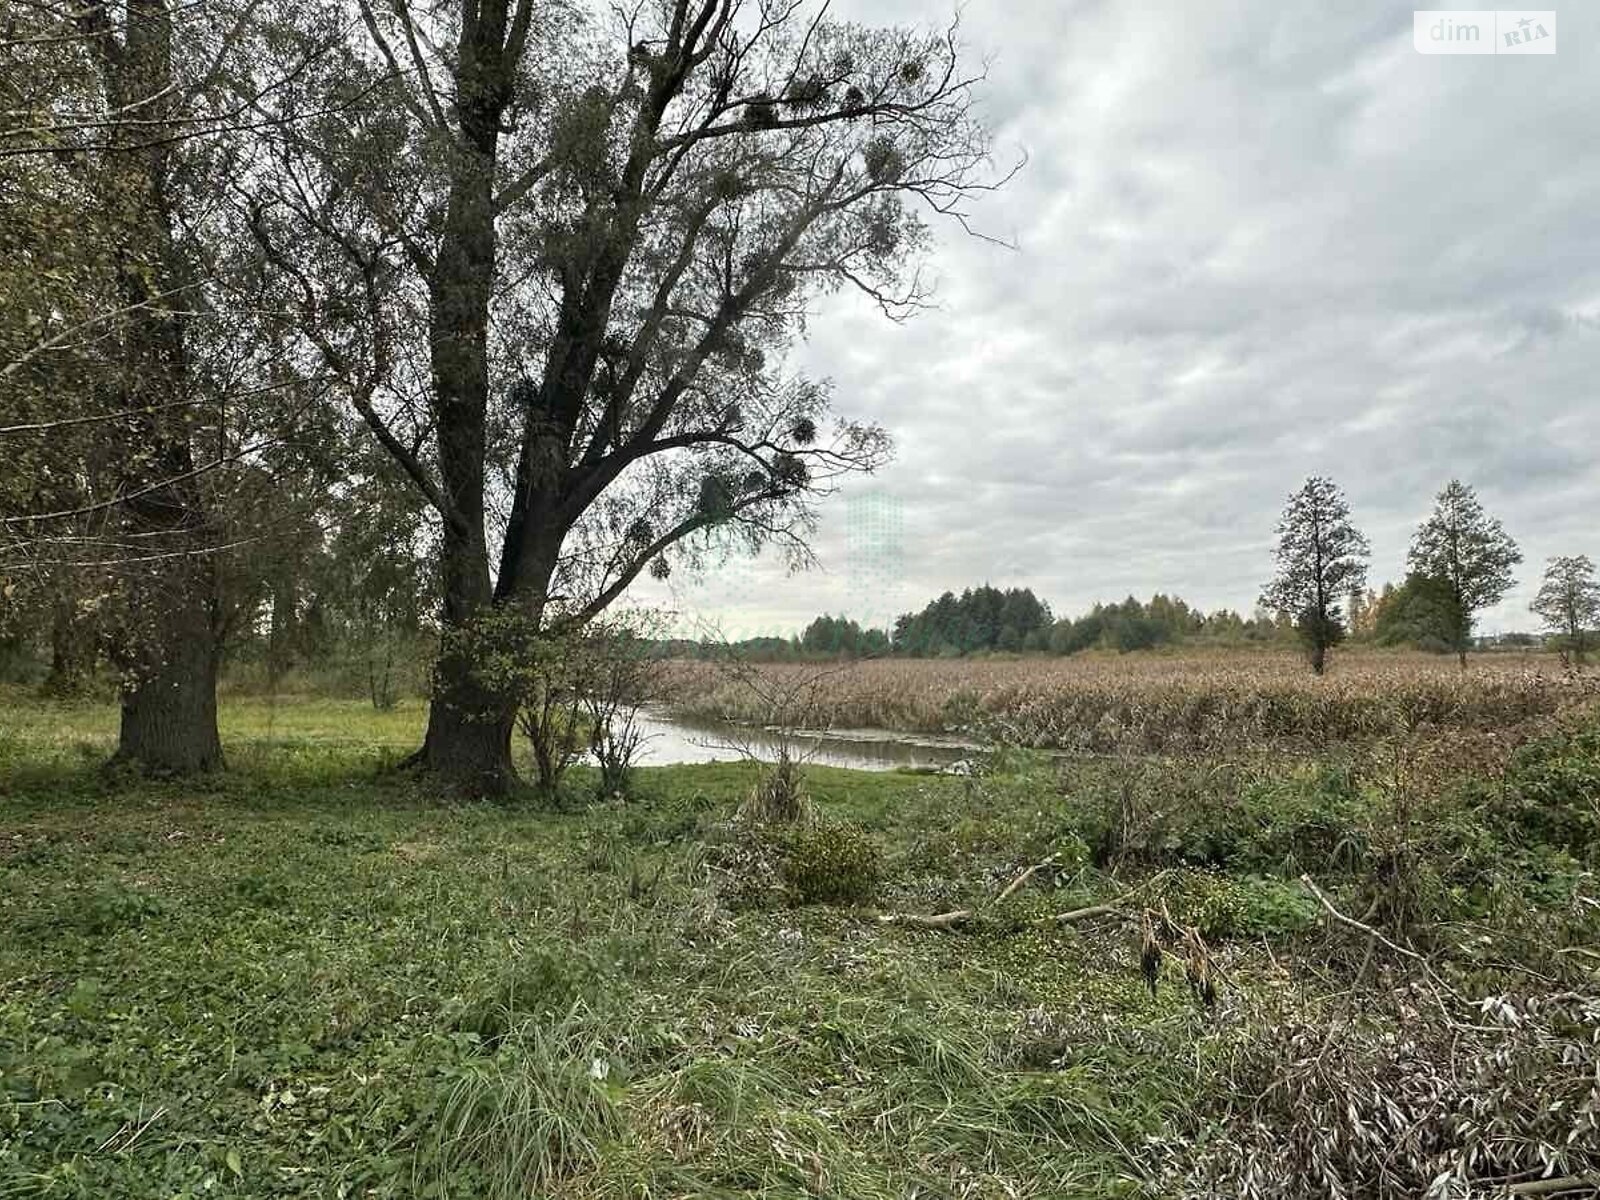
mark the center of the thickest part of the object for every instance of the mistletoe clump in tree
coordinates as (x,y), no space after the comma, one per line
(1469,553)
(1322,558)
(556,263)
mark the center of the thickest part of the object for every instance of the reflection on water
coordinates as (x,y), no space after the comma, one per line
(672,739)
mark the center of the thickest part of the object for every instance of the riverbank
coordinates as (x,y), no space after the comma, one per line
(260,730)
(309,976)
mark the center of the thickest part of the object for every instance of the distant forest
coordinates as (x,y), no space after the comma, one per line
(989,620)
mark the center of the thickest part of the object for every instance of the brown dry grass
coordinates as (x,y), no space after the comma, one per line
(1150,702)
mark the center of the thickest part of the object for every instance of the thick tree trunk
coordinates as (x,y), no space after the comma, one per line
(1319,659)
(167,646)
(468,743)
(169,701)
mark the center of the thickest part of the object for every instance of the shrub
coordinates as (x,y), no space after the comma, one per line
(113,906)
(818,862)
(1304,821)
(1223,906)
(779,796)
(545,984)
(1436,1097)
(747,867)
(830,863)
(1551,795)
(669,819)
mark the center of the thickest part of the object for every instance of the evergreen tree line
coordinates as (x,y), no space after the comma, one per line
(986,620)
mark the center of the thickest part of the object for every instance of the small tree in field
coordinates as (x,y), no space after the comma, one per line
(1469,552)
(1569,602)
(624,672)
(1322,558)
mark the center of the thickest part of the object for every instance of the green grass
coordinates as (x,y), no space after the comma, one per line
(309,977)
(305,977)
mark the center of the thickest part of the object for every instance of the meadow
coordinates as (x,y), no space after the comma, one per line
(1367,969)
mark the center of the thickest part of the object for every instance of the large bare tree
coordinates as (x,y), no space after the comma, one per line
(557,263)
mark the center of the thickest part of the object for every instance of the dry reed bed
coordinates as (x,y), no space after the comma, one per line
(1140,703)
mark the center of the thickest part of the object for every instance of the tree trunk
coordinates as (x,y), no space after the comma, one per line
(169,698)
(168,717)
(281,633)
(1319,659)
(72,648)
(468,743)
(168,645)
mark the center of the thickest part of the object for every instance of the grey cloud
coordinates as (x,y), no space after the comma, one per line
(1256,240)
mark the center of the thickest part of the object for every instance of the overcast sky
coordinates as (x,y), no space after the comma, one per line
(1256,240)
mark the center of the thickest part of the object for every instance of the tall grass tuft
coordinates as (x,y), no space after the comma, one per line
(542,1108)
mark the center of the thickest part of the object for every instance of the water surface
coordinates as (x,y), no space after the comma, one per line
(674,739)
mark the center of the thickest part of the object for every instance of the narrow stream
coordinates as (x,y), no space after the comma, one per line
(673,739)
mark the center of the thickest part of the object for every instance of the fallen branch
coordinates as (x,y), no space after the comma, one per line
(1306,882)
(1073,916)
(1023,878)
(1552,1187)
(920,921)
(950,920)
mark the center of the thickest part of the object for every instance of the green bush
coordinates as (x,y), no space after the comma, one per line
(1227,906)
(1551,796)
(545,984)
(830,862)
(112,906)
(1240,818)
(669,819)
(1306,821)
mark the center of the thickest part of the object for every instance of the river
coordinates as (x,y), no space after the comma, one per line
(673,739)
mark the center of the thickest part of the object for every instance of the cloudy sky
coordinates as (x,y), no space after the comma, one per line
(1255,240)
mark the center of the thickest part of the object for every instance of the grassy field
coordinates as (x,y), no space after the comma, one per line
(310,977)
